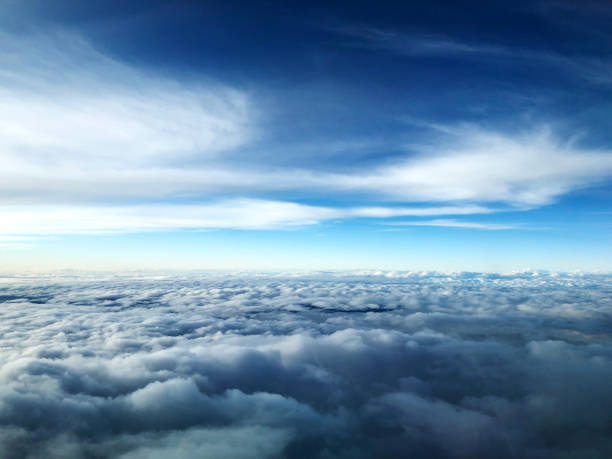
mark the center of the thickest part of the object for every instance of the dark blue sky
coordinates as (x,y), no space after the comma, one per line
(438,120)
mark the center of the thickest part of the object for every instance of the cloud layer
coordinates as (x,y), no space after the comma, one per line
(338,365)
(89,132)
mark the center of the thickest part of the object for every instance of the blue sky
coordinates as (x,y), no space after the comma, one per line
(306,135)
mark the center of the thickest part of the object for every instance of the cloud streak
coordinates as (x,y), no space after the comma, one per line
(69,110)
(593,69)
(234,214)
(449,223)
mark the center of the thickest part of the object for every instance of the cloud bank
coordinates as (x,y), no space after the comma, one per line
(320,366)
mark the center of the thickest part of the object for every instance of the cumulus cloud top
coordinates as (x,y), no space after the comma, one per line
(345,365)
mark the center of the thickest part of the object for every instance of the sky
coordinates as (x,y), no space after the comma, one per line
(306,135)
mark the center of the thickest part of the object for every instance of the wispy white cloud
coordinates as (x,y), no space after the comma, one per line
(70,108)
(233,214)
(387,212)
(591,68)
(415,44)
(450,223)
(78,127)
(471,164)
(466,164)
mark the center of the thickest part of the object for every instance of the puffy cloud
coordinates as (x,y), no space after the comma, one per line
(343,365)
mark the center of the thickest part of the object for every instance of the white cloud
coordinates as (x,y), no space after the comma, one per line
(471,164)
(450,223)
(68,110)
(237,214)
(445,365)
(594,70)
(81,132)
(468,165)
(415,44)
(387,212)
